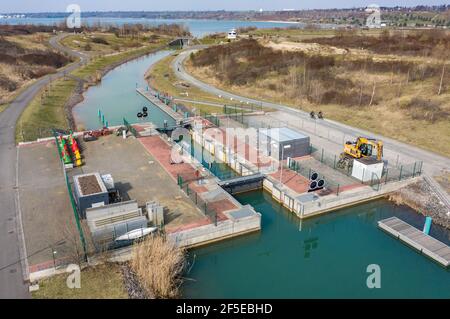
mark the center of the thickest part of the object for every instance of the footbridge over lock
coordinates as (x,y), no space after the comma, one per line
(181,42)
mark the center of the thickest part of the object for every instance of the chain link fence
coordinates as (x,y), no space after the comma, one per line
(72,200)
(204,206)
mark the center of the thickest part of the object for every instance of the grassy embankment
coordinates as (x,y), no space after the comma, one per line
(162,78)
(392,92)
(99,282)
(23,59)
(46,111)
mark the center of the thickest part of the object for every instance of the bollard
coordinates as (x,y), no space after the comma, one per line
(427,226)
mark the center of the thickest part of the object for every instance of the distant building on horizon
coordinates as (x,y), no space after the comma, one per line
(232,34)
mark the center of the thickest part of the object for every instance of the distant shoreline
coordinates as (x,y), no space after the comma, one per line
(278,21)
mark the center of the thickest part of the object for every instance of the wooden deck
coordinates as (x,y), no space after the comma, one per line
(415,238)
(154,100)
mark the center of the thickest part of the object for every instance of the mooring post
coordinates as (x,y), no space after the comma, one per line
(427,226)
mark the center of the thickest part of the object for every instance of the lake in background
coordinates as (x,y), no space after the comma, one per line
(198,28)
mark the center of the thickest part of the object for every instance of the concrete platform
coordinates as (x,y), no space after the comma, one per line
(47,216)
(139,175)
(154,100)
(413,237)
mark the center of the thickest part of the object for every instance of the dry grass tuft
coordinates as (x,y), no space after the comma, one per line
(159,264)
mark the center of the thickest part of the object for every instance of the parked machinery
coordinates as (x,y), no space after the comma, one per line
(362,147)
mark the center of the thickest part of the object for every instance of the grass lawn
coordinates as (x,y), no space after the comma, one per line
(46,111)
(99,282)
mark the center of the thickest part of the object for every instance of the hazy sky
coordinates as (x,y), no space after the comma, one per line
(152,5)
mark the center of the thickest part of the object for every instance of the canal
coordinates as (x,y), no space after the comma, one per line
(117,98)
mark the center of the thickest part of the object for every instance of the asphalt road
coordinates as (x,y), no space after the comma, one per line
(432,163)
(13,267)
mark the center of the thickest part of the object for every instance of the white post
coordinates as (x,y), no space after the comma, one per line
(282,156)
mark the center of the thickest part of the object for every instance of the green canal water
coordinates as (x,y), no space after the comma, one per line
(323,257)
(117,98)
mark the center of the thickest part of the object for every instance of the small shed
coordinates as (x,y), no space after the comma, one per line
(367,169)
(283,142)
(89,190)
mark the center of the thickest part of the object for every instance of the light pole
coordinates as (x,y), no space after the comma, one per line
(282,158)
(275,145)
(54,258)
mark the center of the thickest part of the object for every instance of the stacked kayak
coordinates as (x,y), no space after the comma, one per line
(70,151)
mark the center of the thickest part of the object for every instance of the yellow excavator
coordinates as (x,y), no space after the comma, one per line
(362,147)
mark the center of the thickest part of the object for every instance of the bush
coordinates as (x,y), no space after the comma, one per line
(45,58)
(159,265)
(7,59)
(421,109)
(7,84)
(424,42)
(41,71)
(100,40)
(87,47)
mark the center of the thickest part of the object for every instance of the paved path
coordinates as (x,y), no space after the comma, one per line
(12,249)
(433,163)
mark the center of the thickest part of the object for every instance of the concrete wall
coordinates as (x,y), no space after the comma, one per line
(331,202)
(210,233)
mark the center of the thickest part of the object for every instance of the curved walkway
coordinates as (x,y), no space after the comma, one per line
(12,251)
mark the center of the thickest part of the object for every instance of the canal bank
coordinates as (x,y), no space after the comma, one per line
(116,96)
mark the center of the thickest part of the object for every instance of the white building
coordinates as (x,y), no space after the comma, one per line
(232,35)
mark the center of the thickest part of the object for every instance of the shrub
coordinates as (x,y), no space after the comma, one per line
(159,265)
(100,40)
(430,111)
(45,58)
(7,59)
(41,71)
(7,84)
(424,42)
